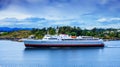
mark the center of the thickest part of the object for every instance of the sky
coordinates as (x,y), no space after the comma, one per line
(45,13)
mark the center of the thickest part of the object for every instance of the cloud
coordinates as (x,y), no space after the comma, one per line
(13,13)
(38,22)
(35,22)
(108,19)
(109,22)
(102,20)
(50,9)
(41,13)
(27,22)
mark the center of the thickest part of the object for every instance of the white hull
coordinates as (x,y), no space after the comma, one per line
(57,43)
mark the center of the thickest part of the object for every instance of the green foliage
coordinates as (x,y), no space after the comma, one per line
(16,34)
(73,33)
(4,33)
(109,33)
(77,31)
(51,31)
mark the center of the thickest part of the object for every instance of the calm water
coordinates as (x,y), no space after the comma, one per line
(14,54)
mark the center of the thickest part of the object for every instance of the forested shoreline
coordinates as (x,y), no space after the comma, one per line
(109,33)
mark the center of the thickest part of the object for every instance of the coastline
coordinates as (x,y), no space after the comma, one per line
(12,39)
(19,39)
(111,39)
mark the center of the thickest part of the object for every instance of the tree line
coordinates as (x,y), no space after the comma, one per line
(109,33)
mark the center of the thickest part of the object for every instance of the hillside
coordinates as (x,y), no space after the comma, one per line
(16,34)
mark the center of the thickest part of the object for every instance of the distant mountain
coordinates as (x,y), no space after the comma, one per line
(7,29)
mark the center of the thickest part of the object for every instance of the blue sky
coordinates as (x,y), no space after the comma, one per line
(45,13)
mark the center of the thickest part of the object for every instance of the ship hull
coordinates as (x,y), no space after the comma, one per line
(40,43)
(79,45)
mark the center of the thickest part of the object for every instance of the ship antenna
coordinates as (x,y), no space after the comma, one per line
(47,31)
(57,29)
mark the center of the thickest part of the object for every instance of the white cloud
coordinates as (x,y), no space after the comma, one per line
(5,23)
(14,11)
(61,12)
(10,14)
(33,22)
(102,20)
(114,19)
(108,19)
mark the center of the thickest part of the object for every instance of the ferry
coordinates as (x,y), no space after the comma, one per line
(64,40)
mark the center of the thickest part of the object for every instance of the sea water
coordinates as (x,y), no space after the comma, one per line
(14,54)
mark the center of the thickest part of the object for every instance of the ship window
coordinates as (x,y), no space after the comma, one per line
(52,38)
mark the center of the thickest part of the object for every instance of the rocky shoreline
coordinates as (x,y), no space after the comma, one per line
(12,39)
